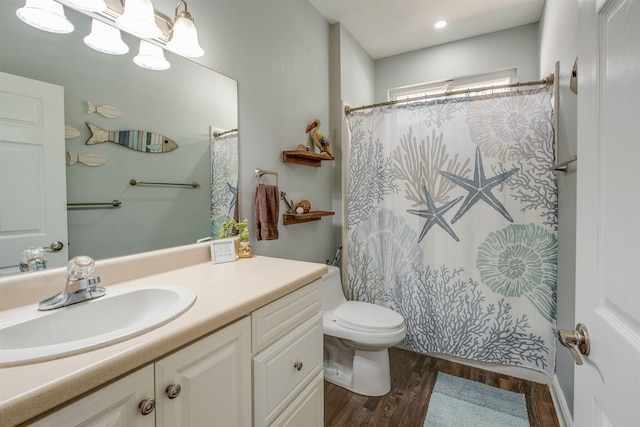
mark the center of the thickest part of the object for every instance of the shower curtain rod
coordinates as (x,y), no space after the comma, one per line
(546,82)
(218,134)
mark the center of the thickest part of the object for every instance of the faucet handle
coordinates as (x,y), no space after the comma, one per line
(80,267)
(93,281)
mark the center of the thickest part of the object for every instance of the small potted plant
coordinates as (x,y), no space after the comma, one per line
(241,229)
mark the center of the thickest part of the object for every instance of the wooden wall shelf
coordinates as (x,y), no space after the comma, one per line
(307,158)
(288,219)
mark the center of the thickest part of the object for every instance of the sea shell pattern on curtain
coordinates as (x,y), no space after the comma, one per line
(452,222)
(224,180)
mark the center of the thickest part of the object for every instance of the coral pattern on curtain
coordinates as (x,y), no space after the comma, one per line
(224,181)
(452,222)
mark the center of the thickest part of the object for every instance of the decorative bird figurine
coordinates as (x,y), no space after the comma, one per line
(319,140)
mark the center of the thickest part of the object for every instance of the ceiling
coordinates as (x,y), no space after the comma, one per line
(390,27)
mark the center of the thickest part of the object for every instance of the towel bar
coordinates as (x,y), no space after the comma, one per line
(135,182)
(259,172)
(113,204)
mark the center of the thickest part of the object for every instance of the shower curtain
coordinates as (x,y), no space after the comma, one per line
(452,222)
(224,181)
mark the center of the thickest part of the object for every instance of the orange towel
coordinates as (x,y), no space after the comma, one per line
(267,211)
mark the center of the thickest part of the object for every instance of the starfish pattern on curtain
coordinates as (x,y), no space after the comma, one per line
(482,284)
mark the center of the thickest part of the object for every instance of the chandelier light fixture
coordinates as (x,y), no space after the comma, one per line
(46,15)
(151,57)
(139,19)
(106,39)
(184,36)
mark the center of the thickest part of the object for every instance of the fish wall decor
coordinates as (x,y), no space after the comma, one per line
(139,140)
(86,159)
(70,132)
(107,111)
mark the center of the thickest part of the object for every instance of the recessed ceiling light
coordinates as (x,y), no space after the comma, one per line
(440,24)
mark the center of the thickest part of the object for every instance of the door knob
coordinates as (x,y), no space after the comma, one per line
(54,247)
(579,338)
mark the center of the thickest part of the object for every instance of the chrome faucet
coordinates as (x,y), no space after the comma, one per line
(79,286)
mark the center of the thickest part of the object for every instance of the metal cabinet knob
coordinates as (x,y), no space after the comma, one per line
(173,390)
(147,406)
(580,338)
(298,365)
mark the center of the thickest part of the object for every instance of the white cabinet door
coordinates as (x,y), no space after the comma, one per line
(116,405)
(608,231)
(33,191)
(214,375)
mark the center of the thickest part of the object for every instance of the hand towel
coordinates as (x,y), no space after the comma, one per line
(267,211)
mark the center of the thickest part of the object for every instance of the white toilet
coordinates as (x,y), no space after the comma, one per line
(357,336)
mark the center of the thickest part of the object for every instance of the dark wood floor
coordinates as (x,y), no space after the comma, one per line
(413,376)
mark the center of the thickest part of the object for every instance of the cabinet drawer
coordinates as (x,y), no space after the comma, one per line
(283,370)
(307,410)
(276,319)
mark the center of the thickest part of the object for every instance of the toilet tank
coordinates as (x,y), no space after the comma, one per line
(332,294)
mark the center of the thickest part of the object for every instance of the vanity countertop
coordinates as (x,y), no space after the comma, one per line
(225,293)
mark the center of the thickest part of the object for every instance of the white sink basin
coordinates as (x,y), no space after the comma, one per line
(30,335)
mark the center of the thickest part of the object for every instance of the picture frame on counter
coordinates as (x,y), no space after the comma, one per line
(223,250)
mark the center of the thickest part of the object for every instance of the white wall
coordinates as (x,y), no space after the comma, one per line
(357,79)
(516,47)
(558,42)
(279,53)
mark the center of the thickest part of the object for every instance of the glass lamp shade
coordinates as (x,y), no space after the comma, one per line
(88,5)
(46,15)
(184,39)
(139,19)
(151,57)
(106,39)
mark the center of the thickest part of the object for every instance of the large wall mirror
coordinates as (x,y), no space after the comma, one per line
(183,103)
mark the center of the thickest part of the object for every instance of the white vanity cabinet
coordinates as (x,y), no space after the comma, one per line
(262,370)
(114,405)
(287,360)
(214,380)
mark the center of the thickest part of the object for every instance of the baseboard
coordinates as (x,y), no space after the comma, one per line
(560,403)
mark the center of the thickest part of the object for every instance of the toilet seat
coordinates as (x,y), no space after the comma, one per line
(366,317)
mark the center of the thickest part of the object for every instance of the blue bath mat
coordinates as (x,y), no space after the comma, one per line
(456,402)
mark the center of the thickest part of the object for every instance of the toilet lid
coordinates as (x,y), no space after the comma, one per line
(366,317)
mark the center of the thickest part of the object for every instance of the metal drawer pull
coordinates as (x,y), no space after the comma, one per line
(298,365)
(173,390)
(147,406)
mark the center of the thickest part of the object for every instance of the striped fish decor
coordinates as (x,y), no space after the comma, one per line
(139,140)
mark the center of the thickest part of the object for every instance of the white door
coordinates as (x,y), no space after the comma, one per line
(608,218)
(33,190)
